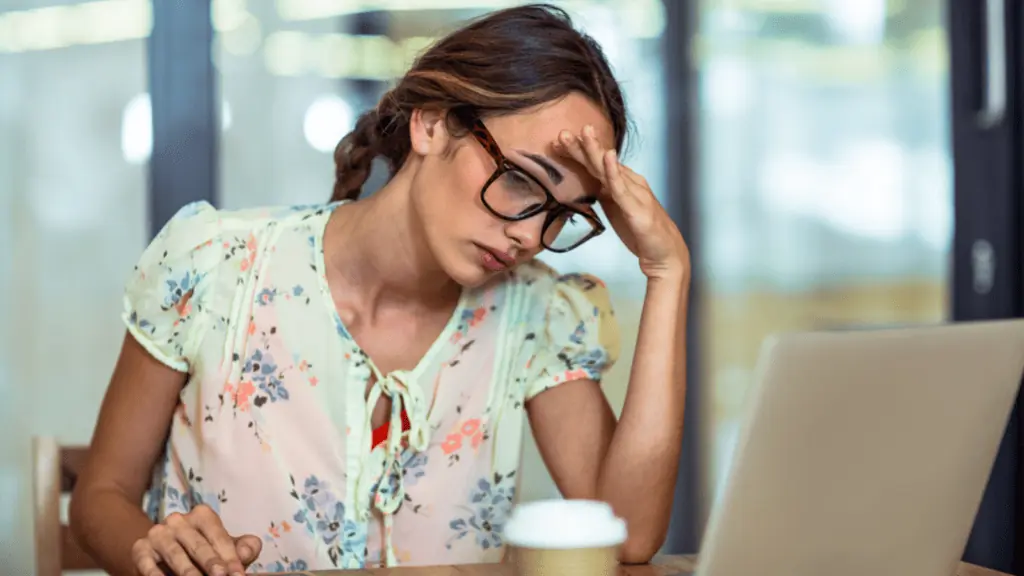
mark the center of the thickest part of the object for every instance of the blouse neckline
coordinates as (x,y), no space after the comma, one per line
(325,292)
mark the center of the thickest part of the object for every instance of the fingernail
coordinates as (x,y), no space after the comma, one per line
(588,130)
(245,551)
(565,136)
(219,571)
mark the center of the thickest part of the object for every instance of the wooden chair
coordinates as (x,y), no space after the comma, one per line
(54,470)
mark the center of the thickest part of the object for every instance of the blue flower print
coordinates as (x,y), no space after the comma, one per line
(323,515)
(183,501)
(577,335)
(266,297)
(413,467)
(153,499)
(297,291)
(162,498)
(593,361)
(178,289)
(142,323)
(263,371)
(490,506)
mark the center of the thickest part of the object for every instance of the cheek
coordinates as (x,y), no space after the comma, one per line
(466,178)
(451,198)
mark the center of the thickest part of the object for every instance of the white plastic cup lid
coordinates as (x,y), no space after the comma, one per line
(564,524)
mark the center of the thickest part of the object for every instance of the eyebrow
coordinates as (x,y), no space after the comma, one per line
(553,173)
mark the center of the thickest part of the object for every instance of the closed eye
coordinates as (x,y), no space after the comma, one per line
(518,179)
(553,173)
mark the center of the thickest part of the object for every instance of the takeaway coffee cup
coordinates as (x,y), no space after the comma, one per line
(565,538)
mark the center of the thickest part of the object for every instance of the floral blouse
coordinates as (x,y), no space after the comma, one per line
(272,428)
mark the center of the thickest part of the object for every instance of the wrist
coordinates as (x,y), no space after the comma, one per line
(670,287)
(676,275)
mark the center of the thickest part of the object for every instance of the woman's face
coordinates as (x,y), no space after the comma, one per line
(467,239)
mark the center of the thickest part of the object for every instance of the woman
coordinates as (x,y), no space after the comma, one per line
(344,385)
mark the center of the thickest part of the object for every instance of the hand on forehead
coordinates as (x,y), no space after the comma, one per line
(529,139)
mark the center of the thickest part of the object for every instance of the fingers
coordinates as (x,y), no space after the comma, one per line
(248,548)
(594,151)
(192,545)
(145,558)
(165,542)
(615,182)
(572,146)
(209,525)
(632,176)
(201,552)
(588,151)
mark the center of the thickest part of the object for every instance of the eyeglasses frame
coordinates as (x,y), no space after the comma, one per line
(553,207)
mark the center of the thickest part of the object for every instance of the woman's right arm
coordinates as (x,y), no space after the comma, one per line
(106,514)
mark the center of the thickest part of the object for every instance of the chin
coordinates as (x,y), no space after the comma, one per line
(464,267)
(469,276)
(467,272)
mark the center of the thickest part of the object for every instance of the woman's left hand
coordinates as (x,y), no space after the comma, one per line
(631,207)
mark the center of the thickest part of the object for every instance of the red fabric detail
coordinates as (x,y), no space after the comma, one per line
(380,434)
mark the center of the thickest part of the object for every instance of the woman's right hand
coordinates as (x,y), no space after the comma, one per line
(194,544)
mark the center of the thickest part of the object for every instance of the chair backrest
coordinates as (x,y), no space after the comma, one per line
(55,469)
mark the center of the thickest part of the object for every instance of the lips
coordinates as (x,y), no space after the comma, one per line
(495,260)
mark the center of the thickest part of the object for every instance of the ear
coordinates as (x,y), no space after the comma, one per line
(428,132)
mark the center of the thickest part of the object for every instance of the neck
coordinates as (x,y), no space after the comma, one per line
(376,248)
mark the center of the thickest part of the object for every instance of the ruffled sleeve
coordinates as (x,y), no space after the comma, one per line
(580,337)
(164,300)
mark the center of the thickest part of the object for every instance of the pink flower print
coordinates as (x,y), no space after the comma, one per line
(250,246)
(184,305)
(276,529)
(467,320)
(470,427)
(577,374)
(452,443)
(478,316)
(243,394)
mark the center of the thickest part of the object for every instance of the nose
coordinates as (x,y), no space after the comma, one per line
(526,233)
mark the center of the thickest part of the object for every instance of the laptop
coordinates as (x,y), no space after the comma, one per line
(865,452)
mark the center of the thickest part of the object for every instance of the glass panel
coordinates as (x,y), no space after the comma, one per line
(296,73)
(826,195)
(73,143)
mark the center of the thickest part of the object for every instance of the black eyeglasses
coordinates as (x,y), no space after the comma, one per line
(513,194)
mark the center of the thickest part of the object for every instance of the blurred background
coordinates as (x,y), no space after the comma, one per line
(803,145)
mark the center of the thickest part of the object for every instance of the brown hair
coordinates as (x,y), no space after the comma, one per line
(507,61)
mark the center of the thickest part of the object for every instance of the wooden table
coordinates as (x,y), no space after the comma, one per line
(662,566)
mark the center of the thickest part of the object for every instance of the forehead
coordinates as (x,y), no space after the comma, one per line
(536,130)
